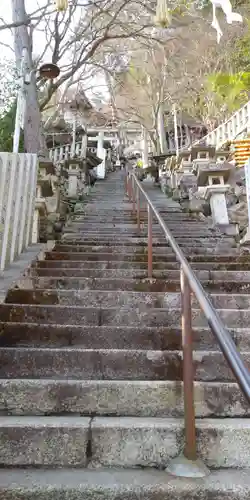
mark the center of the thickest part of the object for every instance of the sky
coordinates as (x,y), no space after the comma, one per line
(39,40)
(5,14)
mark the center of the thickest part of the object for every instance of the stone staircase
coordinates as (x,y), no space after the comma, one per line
(91,362)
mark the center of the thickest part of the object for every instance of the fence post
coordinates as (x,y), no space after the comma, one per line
(133,193)
(138,209)
(150,243)
(9,196)
(190,451)
(130,188)
(18,203)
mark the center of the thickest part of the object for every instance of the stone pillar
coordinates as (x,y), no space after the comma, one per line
(216,195)
(73,183)
(144,147)
(246,238)
(84,145)
(35,226)
(101,153)
(173,180)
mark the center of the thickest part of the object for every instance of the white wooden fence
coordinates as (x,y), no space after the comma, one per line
(60,153)
(18,179)
(238,124)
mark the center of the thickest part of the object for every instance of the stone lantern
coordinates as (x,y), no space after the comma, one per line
(212,180)
(221,156)
(43,191)
(75,167)
(202,155)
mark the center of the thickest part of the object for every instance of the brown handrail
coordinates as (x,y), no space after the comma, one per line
(189,282)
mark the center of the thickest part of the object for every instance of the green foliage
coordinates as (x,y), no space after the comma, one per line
(8,85)
(241,52)
(230,88)
(137,74)
(7,125)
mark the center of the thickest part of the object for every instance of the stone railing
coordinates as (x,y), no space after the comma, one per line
(238,124)
(18,181)
(67,151)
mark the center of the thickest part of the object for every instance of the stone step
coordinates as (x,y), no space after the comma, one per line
(97,316)
(107,337)
(129,217)
(127,284)
(44,441)
(119,441)
(158,236)
(103,229)
(182,242)
(63,252)
(233,276)
(136,242)
(153,442)
(118,398)
(109,273)
(181,226)
(136,264)
(111,364)
(130,222)
(105,299)
(182,217)
(122,484)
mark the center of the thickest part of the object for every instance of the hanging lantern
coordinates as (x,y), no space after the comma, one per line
(61,5)
(162,15)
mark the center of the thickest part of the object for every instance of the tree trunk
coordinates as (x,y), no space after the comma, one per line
(33,140)
(144,147)
(161,130)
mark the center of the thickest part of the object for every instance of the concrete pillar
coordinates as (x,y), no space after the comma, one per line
(101,153)
(72,184)
(216,195)
(35,227)
(144,147)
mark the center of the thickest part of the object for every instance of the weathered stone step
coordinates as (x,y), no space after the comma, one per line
(153,442)
(233,276)
(83,263)
(168,316)
(187,249)
(172,225)
(126,442)
(122,484)
(107,273)
(105,299)
(180,216)
(158,236)
(132,221)
(127,284)
(63,252)
(132,228)
(108,337)
(111,364)
(108,256)
(44,441)
(118,398)
(103,273)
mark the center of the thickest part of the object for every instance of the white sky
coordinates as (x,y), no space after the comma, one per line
(5,13)
(39,38)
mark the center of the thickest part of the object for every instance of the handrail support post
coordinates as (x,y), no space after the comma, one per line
(129,188)
(190,450)
(133,194)
(138,210)
(150,243)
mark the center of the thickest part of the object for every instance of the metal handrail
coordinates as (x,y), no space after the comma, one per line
(189,282)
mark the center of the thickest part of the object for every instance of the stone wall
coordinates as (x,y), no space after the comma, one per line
(18,178)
